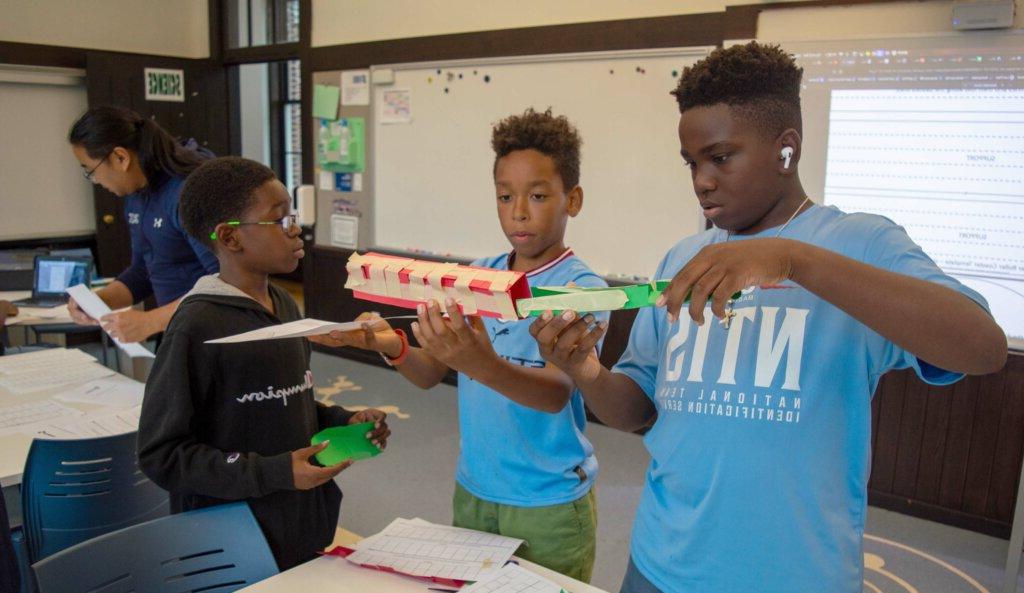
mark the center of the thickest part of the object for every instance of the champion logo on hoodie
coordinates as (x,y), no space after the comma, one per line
(282,394)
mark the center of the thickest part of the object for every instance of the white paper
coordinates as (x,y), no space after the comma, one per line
(357,182)
(87,426)
(355,87)
(326,180)
(95,307)
(513,578)
(396,106)
(298,329)
(423,549)
(31,381)
(344,231)
(17,419)
(105,392)
(43,360)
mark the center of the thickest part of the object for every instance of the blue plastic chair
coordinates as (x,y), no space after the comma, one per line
(76,490)
(217,549)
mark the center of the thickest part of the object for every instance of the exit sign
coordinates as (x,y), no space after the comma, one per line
(163,84)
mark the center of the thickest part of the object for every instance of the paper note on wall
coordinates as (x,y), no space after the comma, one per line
(325,101)
(355,87)
(344,231)
(396,106)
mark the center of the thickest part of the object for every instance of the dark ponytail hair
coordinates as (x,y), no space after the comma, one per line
(101,129)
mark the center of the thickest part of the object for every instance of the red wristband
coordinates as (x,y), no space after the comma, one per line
(402,354)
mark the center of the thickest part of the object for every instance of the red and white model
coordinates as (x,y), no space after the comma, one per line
(406,282)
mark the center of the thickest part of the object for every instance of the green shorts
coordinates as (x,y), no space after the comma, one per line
(561,537)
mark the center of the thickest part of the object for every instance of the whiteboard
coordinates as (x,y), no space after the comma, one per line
(434,189)
(42,191)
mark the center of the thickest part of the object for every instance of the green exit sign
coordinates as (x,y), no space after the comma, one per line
(163,84)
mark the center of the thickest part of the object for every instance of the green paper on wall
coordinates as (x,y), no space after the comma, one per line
(341,145)
(325,101)
(347,442)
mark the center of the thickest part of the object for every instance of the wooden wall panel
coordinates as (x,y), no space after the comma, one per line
(953,453)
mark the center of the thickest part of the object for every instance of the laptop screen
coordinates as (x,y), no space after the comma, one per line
(55,275)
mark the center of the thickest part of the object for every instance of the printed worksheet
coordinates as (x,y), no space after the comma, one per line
(419,548)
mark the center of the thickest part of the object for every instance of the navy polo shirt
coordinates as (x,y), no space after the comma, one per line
(166,261)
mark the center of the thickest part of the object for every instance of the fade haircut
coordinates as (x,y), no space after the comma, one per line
(761,83)
(551,136)
(219,190)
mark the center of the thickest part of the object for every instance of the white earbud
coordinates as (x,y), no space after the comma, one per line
(786,154)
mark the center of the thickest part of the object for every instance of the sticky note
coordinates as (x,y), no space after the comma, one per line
(325,101)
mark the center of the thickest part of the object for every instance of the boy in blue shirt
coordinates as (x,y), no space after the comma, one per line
(525,470)
(760,453)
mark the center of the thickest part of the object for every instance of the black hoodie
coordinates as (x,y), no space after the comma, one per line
(219,421)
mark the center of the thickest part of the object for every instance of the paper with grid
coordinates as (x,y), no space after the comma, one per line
(513,578)
(420,548)
(101,423)
(22,417)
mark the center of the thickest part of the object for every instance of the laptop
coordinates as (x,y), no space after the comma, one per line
(53,275)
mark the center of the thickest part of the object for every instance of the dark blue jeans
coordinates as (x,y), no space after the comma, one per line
(634,582)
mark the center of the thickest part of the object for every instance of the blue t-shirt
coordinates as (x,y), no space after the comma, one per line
(761,451)
(166,261)
(512,454)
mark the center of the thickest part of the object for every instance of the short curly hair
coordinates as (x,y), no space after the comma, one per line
(219,190)
(553,136)
(760,81)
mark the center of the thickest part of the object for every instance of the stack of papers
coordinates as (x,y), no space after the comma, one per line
(513,578)
(102,423)
(21,418)
(423,549)
(109,391)
(46,369)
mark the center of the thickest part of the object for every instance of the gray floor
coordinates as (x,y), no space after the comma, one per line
(414,478)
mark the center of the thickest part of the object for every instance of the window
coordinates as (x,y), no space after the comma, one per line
(251,23)
(271,117)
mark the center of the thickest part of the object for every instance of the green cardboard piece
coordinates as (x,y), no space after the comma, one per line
(325,101)
(588,300)
(347,442)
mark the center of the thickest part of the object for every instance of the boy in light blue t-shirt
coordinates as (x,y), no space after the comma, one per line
(525,468)
(760,453)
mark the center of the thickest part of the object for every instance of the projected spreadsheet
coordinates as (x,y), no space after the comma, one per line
(947,165)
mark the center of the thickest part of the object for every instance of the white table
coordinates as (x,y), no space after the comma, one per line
(34,315)
(14,447)
(333,574)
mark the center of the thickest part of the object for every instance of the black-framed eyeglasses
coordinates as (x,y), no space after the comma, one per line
(286,223)
(88,174)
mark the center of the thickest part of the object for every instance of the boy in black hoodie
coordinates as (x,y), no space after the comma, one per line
(233,422)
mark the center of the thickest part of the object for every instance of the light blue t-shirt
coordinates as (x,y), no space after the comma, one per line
(761,452)
(512,454)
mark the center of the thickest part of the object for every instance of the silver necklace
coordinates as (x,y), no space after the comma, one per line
(729,313)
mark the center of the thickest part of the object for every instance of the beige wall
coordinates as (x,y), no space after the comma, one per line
(861,21)
(338,22)
(163,27)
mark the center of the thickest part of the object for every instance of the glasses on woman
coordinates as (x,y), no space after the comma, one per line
(286,223)
(89,174)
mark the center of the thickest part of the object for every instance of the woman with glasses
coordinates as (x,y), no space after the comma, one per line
(134,158)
